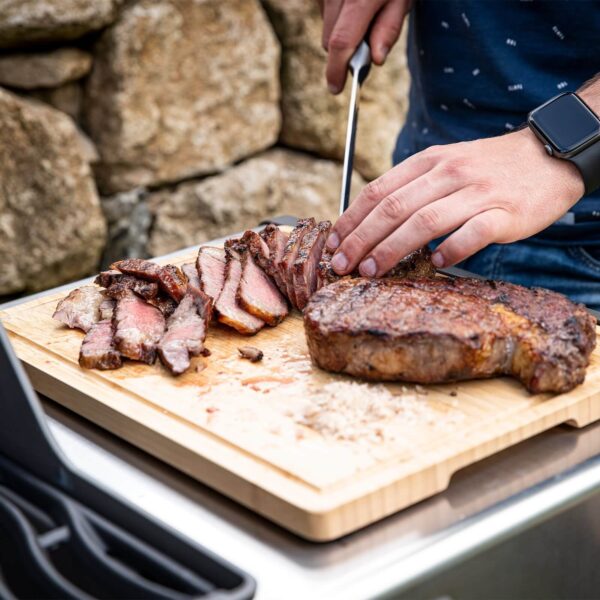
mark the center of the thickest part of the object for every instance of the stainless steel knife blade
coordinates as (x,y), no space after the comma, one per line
(359,66)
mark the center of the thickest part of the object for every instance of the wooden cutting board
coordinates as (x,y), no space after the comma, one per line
(321,455)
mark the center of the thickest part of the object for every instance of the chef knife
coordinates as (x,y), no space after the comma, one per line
(359,66)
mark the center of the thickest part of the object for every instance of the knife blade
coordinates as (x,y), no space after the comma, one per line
(359,67)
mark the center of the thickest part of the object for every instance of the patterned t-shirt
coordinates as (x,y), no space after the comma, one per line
(479,66)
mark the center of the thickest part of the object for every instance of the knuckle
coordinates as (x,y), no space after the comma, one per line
(428,220)
(483,187)
(455,168)
(392,207)
(339,40)
(372,192)
(484,229)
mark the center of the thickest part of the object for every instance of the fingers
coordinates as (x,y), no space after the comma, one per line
(390,214)
(428,223)
(349,29)
(483,229)
(330,9)
(386,29)
(373,193)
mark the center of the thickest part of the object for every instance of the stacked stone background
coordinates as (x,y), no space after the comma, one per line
(138,127)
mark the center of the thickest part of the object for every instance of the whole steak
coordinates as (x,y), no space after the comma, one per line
(440,330)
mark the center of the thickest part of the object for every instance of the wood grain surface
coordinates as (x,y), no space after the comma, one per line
(320,454)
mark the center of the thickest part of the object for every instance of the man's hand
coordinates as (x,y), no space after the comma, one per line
(494,190)
(345,23)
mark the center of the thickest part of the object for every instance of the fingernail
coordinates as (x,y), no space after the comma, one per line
(339,262)
(368,268)
(333,241)
(437,259)
(334,89)
(384,50)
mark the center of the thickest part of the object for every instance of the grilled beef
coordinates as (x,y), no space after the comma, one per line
(138,328)
(98,348)
(107,308)
(228,310)
(416,264)
(164,303)
(186,331)
(291,251)
(305,267)
(191,274)
(169,278)
(257,294)
(81,308)
(267,249)
(210,265)
(117,283)
(439,330)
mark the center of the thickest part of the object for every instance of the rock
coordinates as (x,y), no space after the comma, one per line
(51,225)
(66,98)
(23,22)
(28,71)
(313,119)
(273,183)
(181,88)
(129,221)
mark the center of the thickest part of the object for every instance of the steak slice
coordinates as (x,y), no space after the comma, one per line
(440,330)
(417,264)
(210,265)
(305,267)
(107,308)
(139,328)
(81,308)
(117,283)
(257,294)
(186,331)
(164,303)
(98,348)
(169,278)
(191,273)
(291,251)
(276,241)
(228,310)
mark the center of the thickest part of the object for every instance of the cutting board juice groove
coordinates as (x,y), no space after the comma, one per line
(239,426)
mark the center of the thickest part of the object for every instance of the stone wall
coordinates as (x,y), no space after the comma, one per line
(137,127)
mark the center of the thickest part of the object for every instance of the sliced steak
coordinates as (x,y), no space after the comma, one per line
(210,265)
(139,328)
(276,241)
(117,283)
(257,293)
(439,330)
(169,278)
(291,251)
(417,264)
(98,349)
(306,265)
(186,331)
(81,308)
(107,308)
(228,310)
(164,303)
(191,273)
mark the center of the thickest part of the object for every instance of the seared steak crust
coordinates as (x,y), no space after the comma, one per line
(289,256)
(439,330)
(276,241)
(169,278)
(416,264)
(117,284)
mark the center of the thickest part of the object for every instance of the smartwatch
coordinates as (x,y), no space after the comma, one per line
(570,130)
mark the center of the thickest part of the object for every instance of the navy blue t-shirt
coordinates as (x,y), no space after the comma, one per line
(479,66)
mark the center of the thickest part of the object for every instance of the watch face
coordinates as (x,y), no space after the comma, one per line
(566,122)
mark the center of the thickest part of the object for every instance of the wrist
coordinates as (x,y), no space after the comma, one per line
(564,175)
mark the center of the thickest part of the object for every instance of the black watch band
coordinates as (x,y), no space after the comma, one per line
(588,163)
